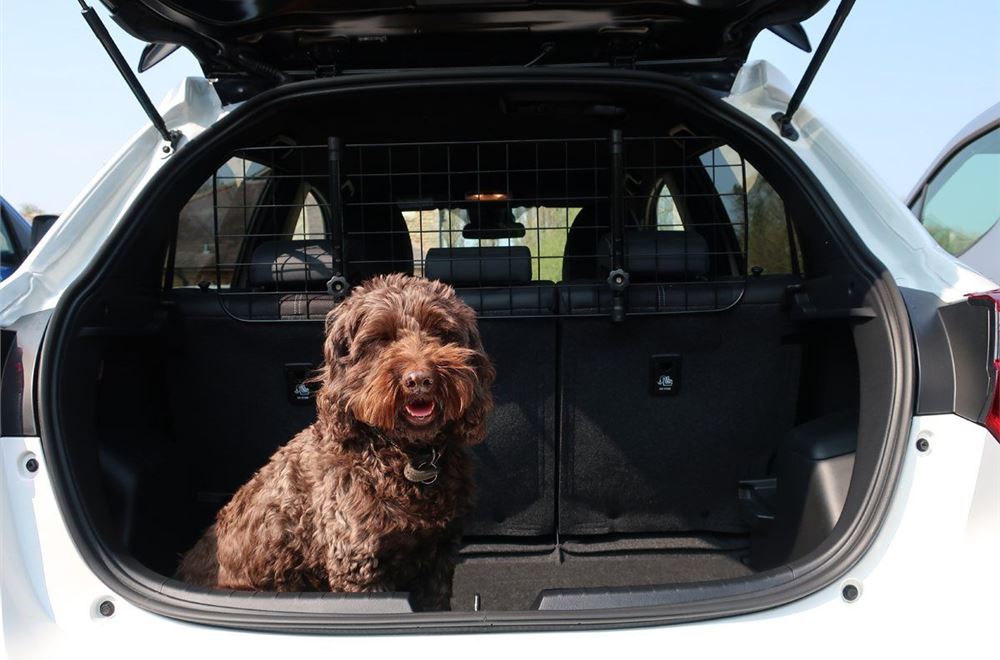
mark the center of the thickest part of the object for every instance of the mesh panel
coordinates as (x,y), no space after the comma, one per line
(609,226)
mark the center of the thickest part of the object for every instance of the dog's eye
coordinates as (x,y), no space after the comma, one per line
(340,348)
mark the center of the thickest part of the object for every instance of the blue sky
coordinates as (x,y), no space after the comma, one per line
(902,78)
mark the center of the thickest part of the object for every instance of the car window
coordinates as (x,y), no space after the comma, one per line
(546,229)
(668,213)
(760,211)
(310,224)
(963,200)
(235,190)
(8,253)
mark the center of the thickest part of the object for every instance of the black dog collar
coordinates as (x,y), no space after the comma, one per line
(423,469)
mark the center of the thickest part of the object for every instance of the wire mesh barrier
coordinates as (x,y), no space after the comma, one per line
(611,226)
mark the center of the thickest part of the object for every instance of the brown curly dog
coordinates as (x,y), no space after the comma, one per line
(367,498)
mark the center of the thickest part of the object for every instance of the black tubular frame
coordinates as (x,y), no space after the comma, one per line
(784,119)
(495,218)
(865,512)
(101,32)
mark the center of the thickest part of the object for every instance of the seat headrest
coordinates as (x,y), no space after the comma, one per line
(300,263)
(479,266)
(308,264)
(654,255)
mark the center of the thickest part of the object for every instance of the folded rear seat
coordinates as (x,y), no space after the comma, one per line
(636,459)
(516,470)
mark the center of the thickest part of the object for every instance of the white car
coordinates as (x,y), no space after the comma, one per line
(745,404)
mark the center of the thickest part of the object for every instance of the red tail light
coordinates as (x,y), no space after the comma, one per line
(993,415)
(992,418)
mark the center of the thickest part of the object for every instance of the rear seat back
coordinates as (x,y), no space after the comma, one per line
(516,469)
(516,464)
(634,459)
(616,439)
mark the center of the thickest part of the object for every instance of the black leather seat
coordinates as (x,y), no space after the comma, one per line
(288,277)
(291,265)
(583,244)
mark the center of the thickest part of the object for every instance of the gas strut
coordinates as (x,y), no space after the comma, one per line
(94,21)
(784,119)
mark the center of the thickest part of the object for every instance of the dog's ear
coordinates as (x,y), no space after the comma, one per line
(329,406)
(335,344)
(470,429)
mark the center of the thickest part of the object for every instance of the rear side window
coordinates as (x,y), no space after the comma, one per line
(963,200)
(757,210)
(229,199)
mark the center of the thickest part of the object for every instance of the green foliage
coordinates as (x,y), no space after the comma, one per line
(768,245)
(955,242)
(29,211)
(545,235)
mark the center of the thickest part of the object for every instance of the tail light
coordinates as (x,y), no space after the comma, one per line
(991,417)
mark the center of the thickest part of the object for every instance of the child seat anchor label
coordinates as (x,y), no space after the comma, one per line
(664,374)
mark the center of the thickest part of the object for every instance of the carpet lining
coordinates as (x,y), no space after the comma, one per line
(513,582)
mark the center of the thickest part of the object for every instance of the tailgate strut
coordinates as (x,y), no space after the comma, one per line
(94,21)
(784,119)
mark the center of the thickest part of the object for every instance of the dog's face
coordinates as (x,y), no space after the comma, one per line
(404,356)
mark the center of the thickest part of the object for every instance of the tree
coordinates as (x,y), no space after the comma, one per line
(768,242)
(29,211)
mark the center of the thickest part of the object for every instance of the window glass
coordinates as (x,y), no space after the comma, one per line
(8,255)
(759,211)
(310,224)
(545,234)
(235,190)
(6,244)
(963,200)
(668,214)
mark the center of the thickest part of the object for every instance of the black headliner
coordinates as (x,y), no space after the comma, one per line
(281,41)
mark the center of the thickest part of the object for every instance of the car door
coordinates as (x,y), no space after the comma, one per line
(15,240)
(960,204)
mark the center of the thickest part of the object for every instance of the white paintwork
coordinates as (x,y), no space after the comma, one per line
(929,584)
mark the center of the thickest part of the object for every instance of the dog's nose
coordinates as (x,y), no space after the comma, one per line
(418,381)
